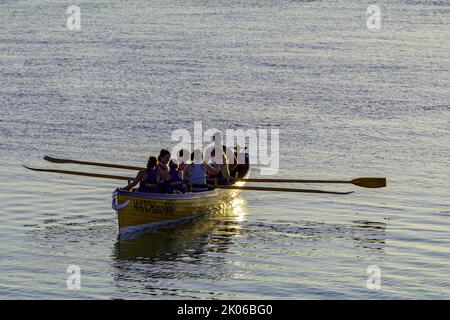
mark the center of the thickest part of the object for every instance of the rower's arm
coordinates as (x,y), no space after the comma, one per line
(132,184)
(186,170)
(234,165)
(164,175)
(211,170)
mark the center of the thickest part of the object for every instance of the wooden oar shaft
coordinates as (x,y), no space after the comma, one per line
(361,182)
(107,176)
(89,163)
(280,189)
(292,180)
(85,174)
(365,182)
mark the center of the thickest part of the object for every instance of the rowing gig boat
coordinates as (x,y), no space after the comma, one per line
(138,210)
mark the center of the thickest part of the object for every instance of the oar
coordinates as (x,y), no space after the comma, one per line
(88,163)
(360,182)
(280,189)
(86,174)
(107,176)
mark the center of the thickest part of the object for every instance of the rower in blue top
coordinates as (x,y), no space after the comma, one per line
(196,171)
(148,179)
(176,183)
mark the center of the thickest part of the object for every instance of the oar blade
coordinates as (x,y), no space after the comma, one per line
(370,182)
(56,160)
(78,173)
(90,163)
(29,168)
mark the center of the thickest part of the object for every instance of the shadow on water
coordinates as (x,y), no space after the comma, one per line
(210,233)
(191,251)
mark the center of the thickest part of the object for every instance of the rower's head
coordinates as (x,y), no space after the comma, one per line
(217,138)
(151,163)
(197,156)
(164,156)
(173,165)
(183,156)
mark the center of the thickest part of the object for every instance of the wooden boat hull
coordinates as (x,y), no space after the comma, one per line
(136,210)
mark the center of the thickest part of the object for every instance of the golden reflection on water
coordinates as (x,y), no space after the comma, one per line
(237,210)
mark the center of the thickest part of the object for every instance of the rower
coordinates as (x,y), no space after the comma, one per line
(243,161)
(196,172)
(163,168)
(222,172)
(148,179)
(175,184)
(221,148)
(183,157)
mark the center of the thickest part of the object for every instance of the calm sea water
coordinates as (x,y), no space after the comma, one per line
(348,102)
